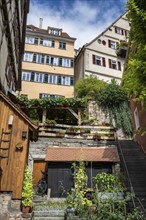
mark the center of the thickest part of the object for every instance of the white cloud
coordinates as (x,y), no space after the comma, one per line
(82,20)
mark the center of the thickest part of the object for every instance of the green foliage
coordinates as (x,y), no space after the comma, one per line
(135,74)
(108,183)
(114,102)
(77,198)
(50,122)
(113,208)
(27,189)
(112,98)
(89,87)
(47,103)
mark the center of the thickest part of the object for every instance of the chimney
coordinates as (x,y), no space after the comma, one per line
(40,23)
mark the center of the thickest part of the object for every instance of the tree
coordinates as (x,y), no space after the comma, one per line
(89,87)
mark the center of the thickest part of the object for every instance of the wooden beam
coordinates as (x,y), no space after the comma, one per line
(44,116)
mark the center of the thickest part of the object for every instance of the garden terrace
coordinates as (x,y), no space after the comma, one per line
(77,132)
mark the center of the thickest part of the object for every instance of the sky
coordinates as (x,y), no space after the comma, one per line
(81,19)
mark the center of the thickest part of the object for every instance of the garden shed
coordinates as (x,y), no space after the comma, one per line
(60,159)
(16,129)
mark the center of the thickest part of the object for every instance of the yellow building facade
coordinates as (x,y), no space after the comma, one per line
(48,63)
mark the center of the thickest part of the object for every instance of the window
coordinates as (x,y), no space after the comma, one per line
(99,41)
(36,40)
(136,119)
(114,64)
(32,77)
(52,79)
(38,58)
(26,76)
(119,31)
(50,60)
(39,77)
(28,57)
(99,60)
(45,95)
(55,31)
(112,44)
(45,78)
(47,43)
(62,45)
(29,40)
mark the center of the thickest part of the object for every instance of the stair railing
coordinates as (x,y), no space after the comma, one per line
(129,179)
(127,173)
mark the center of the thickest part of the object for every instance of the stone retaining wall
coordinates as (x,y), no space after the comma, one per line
(10,209)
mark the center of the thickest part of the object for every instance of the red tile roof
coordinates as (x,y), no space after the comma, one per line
(102,154)
(34,28)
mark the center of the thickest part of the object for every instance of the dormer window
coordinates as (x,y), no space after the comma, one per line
(54,31)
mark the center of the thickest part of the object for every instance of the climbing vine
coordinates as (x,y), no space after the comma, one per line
(135,74)
(114,102)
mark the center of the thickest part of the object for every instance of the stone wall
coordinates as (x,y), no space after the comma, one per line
(10,209)
(95,112)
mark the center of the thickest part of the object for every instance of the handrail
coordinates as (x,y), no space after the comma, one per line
(129,179)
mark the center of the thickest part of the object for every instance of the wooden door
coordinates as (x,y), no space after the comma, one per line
(60,179)
(38,166)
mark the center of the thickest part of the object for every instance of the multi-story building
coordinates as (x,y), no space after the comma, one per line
(12,29)
(99,57)
(48,63)
(16,129)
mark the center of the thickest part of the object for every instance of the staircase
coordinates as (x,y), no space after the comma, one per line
(48,210)
(132,155)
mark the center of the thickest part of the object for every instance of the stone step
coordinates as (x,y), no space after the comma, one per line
(49,213)
(48,218)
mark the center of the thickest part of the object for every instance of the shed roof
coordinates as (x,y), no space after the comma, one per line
(96,154)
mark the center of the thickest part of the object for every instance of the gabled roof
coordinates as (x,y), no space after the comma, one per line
(96,154)
(87,44)
(33,127)
(105,29)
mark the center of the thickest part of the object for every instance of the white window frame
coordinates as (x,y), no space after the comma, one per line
(136,119)
(113,45)
(39,77)
(114,63)
(118,31)
(26,76)
(29,40)
(62,45)
(28,57)
(98,59)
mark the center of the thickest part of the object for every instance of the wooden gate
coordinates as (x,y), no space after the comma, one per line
(60,176)
(60,179)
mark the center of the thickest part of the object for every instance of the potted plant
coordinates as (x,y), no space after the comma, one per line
(60,133)
(97,136)
(122,49)
(50,122)
(72,129)
(84,131)
(27,191)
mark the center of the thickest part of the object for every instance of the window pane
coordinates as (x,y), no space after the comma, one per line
(28,57)
(29,40)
